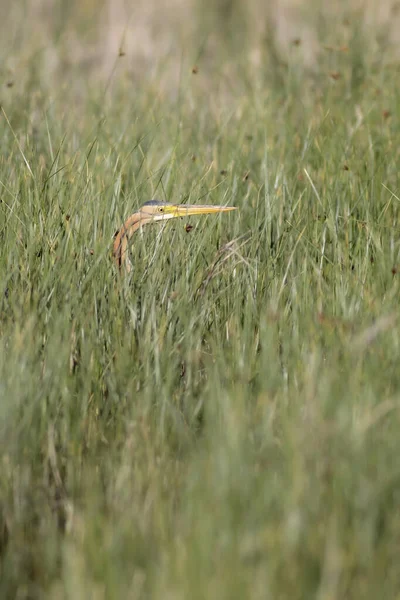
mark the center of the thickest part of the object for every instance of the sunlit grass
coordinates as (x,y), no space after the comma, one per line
(223,421)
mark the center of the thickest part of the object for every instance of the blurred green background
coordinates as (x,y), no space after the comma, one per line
(88,36)
(223,422)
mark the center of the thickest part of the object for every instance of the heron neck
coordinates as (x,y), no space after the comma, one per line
(122,237)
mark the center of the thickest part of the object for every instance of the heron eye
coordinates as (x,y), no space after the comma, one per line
(161,209)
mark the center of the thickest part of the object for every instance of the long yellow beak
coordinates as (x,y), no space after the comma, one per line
(184,210)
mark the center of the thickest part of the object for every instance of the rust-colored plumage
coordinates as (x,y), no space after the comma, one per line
(153,212)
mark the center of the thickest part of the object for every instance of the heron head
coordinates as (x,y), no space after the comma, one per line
(157,210)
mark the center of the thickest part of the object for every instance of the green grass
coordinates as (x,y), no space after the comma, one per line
(224,421)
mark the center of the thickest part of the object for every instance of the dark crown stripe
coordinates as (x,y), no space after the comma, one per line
(154,203)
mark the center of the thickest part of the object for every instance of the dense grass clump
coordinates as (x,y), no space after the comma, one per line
(224,421)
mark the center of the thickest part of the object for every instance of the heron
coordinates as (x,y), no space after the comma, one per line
(155,211)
